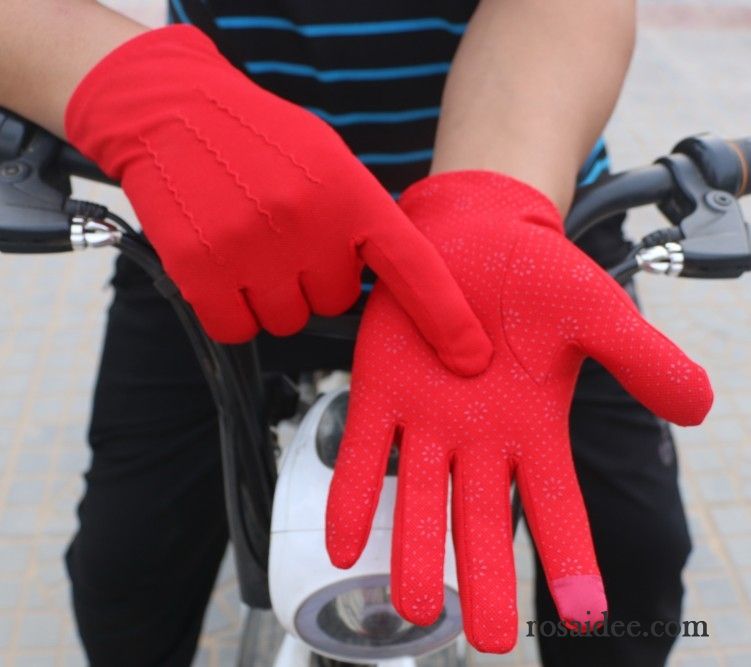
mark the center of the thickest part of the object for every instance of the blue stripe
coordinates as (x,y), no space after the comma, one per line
(177,5)
(338,29)
(593,155)
(334,75)
(396,158)
(376,117)
(598,168)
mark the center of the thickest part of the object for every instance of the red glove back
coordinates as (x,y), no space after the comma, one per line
(258,210)
(546,306)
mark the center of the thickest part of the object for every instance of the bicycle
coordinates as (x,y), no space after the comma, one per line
(348,619)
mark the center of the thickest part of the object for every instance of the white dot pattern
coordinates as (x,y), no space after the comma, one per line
(545,306)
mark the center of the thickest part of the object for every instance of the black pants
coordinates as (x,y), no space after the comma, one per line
(152,521)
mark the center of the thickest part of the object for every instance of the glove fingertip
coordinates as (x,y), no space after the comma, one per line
(343,552)
(233,337)
(421,617)
(495,643)
(692,399)
(225,318)
(469,356)
(699,402)
(341,558)
(343,546)
(580,600)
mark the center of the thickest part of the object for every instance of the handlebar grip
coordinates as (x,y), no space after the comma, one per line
(743,150)
(71,162)
(724,164)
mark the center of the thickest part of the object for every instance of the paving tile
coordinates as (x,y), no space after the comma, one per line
(6,626)
(33,460)
(227,656)
(717,592)
(38,630)
(715,487)
(740,550)
(698,661)
(52,548)
(36,596)
(732,520)
(738,660)
(704,557)
(745,576)
(18,521)
(10,594)
(26,491)
(74,460)
(35,659)
(216,620)
(11,408)
(14,558)
(729,628)
(203,658)
(74,658)
(40,434)
(701,459)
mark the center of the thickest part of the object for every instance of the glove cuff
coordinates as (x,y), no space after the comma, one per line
(103,115)
(466,190)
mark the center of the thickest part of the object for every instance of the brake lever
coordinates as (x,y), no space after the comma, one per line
(710,239)
(37,214)
(717,242)
(32,200)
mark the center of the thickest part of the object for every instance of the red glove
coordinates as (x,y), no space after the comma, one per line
(258,210)
(546,306)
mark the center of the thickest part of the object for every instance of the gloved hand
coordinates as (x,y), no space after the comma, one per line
(546,306)
(258,210)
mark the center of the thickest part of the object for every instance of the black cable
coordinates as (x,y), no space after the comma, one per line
(238,398)
(627,267)
(113,217)
(93,211)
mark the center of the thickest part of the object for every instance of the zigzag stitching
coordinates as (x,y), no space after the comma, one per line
(249,126)
(183,206)
(235,176)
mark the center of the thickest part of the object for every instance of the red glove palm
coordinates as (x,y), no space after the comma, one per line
(546,306)
(258,210)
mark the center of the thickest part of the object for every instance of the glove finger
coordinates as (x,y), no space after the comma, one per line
(481,520)
(419,539)
(281,311)
(358,477)
(224,314)
(557,519)
(410,266)
(332,292)
(649,365)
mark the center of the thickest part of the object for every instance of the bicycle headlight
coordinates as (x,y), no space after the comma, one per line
(346,614)
(354,620)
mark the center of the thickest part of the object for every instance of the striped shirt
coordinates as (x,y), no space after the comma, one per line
(374,70)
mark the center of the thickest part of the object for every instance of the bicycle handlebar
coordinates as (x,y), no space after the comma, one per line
(70,161)
(616,194)
(38,215)
(723,162)
(744,154)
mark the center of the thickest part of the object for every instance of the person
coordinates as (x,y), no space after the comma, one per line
(242,192)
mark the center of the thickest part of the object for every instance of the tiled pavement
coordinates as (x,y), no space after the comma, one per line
(690,74)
